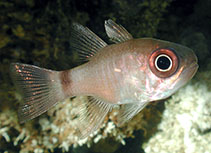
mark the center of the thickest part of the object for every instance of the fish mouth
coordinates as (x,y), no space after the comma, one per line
(189,72)
(193,68)
(186,74)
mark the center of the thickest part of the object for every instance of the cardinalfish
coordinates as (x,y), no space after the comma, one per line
(130,72)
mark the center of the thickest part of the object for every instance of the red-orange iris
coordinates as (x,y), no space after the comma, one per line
(163,62)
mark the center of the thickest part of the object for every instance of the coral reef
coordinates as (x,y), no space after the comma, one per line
(186,121)
(57,128)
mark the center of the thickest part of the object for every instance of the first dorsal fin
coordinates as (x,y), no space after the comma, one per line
(85,42)
(116,33)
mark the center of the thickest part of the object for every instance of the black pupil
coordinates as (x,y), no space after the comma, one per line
(163,62)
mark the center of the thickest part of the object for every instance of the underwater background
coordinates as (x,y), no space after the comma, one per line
(38,32)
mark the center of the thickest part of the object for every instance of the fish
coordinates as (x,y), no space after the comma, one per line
(130,72)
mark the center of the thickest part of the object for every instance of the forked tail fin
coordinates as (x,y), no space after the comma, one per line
(41,89)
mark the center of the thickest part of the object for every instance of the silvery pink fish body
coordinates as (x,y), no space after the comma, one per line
(131,73)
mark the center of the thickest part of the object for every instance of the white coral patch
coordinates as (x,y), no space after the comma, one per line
(186,123)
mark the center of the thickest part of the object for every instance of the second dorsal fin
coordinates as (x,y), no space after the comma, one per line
(85,42)
(116,33)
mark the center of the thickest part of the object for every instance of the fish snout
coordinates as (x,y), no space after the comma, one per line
(191,69)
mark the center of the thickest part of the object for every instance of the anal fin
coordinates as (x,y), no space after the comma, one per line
(91,116)
(127,111)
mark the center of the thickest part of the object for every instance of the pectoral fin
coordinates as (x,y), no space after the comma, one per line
(127,111)
(116,33)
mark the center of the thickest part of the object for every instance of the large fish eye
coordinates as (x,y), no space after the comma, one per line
(163,62)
